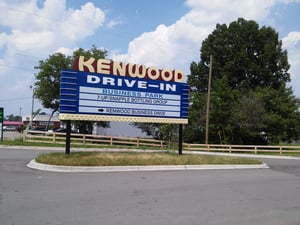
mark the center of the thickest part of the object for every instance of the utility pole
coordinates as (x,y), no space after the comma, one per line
(208,100)
(20,113)
(32,106)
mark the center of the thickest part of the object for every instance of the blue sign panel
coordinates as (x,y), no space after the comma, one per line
(114,96)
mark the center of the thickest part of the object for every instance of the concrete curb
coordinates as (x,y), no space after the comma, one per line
(53,168)
(244,155)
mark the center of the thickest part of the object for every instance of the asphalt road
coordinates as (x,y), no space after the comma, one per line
(206,197)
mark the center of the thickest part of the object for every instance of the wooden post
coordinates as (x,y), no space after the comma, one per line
(54,137)
(138,142)
(111,140)
(84,139)
(208,100)
(280,150)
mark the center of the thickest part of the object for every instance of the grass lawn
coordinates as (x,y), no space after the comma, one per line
(137,159)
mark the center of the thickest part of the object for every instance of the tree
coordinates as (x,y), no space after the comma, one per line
(47,85)
(13,117)
(250,103)
(166,132)
(149,128)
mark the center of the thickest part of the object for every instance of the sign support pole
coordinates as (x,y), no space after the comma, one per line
(1,122)
(68,137)
(180,140)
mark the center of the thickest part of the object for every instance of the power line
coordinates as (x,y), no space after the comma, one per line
(17,67)
(27,55)
(14,99)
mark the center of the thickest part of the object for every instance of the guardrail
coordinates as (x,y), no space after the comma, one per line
(254,149)
(89,139)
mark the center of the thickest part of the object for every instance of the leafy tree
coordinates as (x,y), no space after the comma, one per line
(47,85)
(250,103)
(13,117)
(166,132)
(149,128)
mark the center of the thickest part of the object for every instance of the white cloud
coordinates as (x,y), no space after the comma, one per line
(16,15)
(179,44)
(168,46)
(140,47)
(82,23)
(65,51)
(23,41)
(113,23)
(52,10)
(248,9)
(3,39)
(292,43)
(32,30)
(42,30)
(291,40)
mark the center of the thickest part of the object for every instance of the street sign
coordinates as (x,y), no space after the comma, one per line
(108,97)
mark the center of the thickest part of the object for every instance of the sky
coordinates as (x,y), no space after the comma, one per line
(160,33)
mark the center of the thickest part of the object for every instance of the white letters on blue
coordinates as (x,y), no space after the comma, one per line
(140,84)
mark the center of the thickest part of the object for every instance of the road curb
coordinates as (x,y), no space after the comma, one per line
(54,168)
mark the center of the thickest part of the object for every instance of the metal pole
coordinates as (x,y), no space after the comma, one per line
(68,137)
(208,100)
(180,140)
(1,122)
(32,106)
(20,113)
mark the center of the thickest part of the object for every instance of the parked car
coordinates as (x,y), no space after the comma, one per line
(35,130)
(60,130)
(9,128)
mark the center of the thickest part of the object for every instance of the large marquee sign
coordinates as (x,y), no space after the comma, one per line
(105,90)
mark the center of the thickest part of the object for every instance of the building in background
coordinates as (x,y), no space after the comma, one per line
(12,125)
(41,121)
(120,129)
